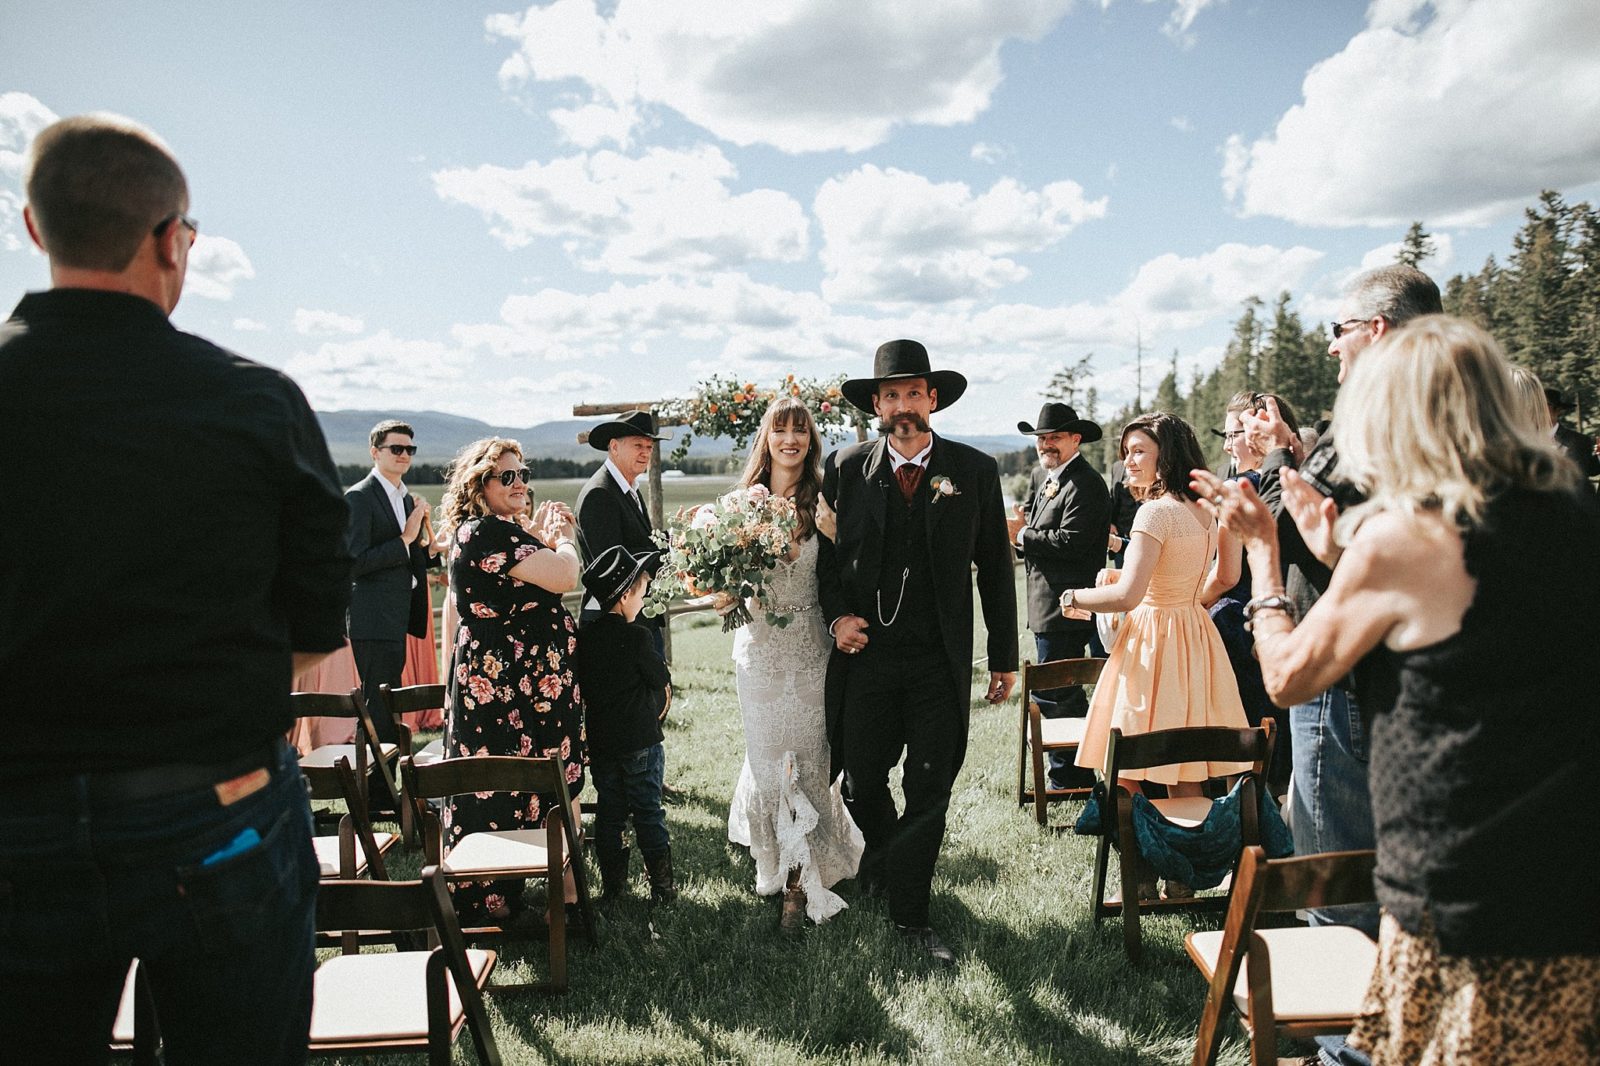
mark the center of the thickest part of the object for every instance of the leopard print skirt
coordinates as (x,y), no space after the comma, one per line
(1425,1008)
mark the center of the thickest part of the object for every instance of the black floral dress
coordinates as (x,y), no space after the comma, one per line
(511,689)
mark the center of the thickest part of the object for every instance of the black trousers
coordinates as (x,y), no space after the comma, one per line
(379,662)
(902,701)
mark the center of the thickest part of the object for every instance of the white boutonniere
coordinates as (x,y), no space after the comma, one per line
(1051,487)
(942,487)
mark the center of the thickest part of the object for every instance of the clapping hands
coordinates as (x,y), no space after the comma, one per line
(553,521)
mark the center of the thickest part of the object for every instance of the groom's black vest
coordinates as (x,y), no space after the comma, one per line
(905,562)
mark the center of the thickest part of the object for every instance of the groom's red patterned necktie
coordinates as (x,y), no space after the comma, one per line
(910,476)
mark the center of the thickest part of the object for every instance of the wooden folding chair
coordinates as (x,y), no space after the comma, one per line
(135,1030)
(1039,735)
(1294,982)
(372,760)
(1162,748)
(406,1001)
(403,701)
(517,853)
(355,851)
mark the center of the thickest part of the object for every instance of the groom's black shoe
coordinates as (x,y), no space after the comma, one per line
(871,887)
(924,939)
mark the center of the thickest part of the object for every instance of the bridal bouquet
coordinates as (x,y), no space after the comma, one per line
(727,546)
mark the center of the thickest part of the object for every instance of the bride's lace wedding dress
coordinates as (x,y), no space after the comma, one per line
(783,807)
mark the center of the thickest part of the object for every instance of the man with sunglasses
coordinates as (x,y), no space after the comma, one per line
(149,806)
(391,541)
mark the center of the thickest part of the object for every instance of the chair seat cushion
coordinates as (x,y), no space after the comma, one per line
(382,997)
(1187,811)
(327,849)
(1061,732)
(433,753)
(1317,972)
(329,754)
(511,849)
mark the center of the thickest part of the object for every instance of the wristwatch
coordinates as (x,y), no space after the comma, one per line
(1066,599)
(1275,602)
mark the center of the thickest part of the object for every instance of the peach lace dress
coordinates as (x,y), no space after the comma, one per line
(1168,668)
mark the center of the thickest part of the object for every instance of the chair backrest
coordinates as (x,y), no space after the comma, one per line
(1140,751)
(485,773)
(1329,879)
(1059,673)
(412,698)
(328,704)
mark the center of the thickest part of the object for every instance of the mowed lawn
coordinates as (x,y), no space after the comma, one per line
(708,979)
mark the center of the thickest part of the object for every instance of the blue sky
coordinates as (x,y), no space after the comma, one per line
(499,211)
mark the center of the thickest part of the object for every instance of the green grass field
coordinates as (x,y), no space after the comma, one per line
(709,979)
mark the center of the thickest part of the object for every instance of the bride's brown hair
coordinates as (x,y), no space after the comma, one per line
(789,411)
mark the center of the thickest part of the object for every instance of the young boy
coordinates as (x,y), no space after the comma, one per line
(625,688)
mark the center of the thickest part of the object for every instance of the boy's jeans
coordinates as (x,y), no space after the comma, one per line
(630,785)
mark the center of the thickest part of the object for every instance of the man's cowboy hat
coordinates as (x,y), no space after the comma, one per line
(637,424)
(1059,418)
(614,571)
(1555,401)
(903,359)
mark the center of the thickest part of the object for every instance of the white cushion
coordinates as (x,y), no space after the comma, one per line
(512,849)
(433,753)
(1317,971)
(1061,732)
(122,1028)
(1187,811)
(327,849)
(329,754)
(381,997)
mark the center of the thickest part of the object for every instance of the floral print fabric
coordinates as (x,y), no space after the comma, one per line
(511,689)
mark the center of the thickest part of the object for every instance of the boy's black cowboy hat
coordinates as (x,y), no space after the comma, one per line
(903,359)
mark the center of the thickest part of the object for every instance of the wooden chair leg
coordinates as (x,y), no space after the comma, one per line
(556,905)
(1102,860)
(1263,1031)
(1022,754)
(1128,861)
(1041,797)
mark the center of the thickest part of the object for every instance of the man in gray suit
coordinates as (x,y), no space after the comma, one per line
(1061,532)
(390,540)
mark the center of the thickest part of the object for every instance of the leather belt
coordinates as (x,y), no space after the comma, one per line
(137,784)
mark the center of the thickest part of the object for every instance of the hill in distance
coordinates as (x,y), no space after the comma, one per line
(440,436)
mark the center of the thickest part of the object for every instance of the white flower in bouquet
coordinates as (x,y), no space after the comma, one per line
(727,547)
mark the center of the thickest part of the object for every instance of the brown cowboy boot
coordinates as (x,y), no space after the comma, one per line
(659,866)
(613,873)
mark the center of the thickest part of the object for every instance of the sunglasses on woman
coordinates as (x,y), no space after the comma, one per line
(507,478)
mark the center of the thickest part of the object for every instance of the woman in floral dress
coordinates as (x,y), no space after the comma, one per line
(511,690)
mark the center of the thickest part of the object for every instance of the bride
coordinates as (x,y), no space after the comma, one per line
(784,808)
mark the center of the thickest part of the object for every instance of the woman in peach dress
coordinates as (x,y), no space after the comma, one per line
(1167,667)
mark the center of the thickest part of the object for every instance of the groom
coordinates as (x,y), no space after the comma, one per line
(915,512)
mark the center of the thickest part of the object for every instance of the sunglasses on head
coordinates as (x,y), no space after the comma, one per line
(507,478)
(400,449)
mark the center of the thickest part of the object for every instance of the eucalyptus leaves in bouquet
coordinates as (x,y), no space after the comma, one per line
(728,546)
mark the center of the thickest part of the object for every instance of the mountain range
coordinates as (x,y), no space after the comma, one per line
(439,436)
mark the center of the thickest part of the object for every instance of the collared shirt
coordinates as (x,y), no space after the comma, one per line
(896,460)
(1043,492)
(621,479)
(397,500)
(221,548)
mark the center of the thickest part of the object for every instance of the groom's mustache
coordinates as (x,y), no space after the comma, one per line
(887,425)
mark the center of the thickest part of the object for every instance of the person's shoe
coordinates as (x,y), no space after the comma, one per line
(613,873)
(658,864)
(1179,890)
(792,920)
(923,939)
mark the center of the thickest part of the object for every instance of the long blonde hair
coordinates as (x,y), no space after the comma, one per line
(1530,393)
(1430,420)
(758,469)
(463,491)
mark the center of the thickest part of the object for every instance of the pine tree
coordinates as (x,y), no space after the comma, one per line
(1542,315)
(1417,245)
(1066,383)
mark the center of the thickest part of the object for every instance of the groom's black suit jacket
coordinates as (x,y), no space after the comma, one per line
(962,529)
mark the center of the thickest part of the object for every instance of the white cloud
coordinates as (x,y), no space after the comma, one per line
(21,119)
(984,152)
(895,236)
(1444,253)
(1181,123)
(800,75)
(249,325)
(324,323)
(336,372)
(216,265)
(1184,12)
(664,212)
(1450,111)
(1176,292)
(591,125)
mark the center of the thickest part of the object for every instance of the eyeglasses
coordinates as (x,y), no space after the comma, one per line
(1341,328)
(399,449)
(507,478)
(177,216)
(1229,434)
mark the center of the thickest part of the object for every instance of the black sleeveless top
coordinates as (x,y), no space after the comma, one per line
(1487,817)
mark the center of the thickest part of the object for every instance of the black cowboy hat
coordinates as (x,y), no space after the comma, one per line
(637,424)
(1555,401)
(903,359)
(1059,418)
(614,571)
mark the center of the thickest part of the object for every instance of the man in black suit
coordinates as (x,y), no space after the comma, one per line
(1579,447)
(390,539)
(915,512)
(1061,533)
(610,509)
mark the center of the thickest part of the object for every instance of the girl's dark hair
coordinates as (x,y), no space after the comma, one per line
(1177,453)
(788,411)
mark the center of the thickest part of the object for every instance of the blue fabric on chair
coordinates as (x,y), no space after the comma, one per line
(1200,855)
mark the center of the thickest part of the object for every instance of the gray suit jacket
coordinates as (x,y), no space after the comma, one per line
(1064,542)
(384,605)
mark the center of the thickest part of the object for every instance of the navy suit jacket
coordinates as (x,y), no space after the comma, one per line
(389,581)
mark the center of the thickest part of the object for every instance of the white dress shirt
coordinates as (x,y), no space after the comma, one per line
(397,500)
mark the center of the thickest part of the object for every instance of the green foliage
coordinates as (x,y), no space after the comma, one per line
(727,546)
(1416,247)
(726,407)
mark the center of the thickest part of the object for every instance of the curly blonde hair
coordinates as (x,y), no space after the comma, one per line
(463,490)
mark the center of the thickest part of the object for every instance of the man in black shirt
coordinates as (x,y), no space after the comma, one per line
(188,558)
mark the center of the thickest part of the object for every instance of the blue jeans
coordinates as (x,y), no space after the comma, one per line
(630,786)
(1064,702)
(1332,810)
(88,884)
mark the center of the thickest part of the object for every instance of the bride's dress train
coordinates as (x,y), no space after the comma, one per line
(784,808)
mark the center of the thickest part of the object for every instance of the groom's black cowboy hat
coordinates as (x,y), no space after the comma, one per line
(1059,418)
(637,424)
(903,359)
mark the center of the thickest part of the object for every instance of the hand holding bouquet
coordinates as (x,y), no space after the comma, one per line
(726,547)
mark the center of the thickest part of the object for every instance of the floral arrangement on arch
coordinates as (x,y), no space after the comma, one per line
(727,546)
(728,407)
